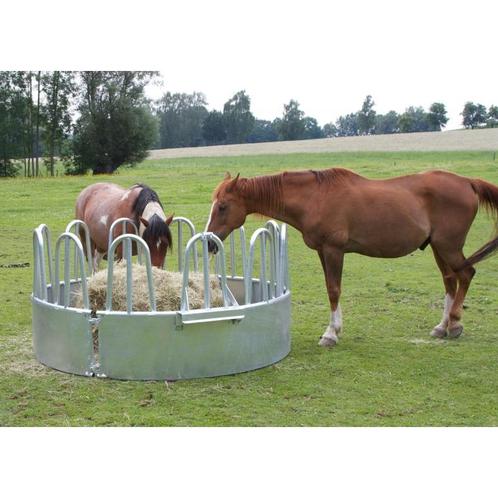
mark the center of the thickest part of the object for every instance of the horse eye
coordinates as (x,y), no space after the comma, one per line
(222,208)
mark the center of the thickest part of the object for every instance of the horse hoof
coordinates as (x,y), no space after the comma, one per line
(455,332)
(327,342)
(438,332)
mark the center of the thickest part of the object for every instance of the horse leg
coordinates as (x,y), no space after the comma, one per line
(455,328)
(455,260)
(450,284)
(332,261)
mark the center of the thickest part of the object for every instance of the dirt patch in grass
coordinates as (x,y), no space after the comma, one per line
(430,342)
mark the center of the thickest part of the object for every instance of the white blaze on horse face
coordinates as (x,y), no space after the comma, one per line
(210,215)
(152,208)
(103,219)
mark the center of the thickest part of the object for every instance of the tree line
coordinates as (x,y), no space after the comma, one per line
(99,120)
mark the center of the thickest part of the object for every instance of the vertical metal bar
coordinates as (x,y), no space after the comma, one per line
(180,246)
(129,275)
(283,259)
(232,254)
(275,233)
(248,273)
(262,278)
(67,276)
(242,234)
(222,268)
(205,262)
(84,287)
(110,276)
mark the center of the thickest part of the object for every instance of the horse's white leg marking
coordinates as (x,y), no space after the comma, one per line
(330,337)
(97,259)
(210,214)
(440,329)
(103,219)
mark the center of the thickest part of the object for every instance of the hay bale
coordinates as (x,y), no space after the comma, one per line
(167,286)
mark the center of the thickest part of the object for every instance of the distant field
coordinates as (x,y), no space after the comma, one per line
(486,139)
(386,371)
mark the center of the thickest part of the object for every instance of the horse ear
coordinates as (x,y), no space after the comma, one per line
(144,222)
(228,176)
(233,183)
(169,219)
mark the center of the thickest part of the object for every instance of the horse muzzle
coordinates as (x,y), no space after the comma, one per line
(212,247)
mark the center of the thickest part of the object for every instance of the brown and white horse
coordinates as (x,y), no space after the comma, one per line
(338,211)
(100,204)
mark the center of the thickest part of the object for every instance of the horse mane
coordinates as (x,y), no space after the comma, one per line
(265,190)
(145,196)
(332,175)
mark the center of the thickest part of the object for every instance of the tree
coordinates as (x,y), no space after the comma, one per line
(116,125)
(15,131)
(213,128)
(239,120)
(311,128)
(292,125)
(436,117)
(347,126)
(492,121)
(263,131)
(366,117)
(414,119)
(181,116)
(58,89)
(330,130)
(37,136)
(473,115)
(386,123)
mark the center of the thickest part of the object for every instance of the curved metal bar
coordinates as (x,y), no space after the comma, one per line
(75,225)
(115,223)
(67,237)
(127,239)
(273,227)
(39,275)
(185,221)
(263,234)
(204,237)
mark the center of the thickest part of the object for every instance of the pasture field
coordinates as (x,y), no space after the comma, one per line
(386,370)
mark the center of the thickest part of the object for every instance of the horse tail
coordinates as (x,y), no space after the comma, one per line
(488,198)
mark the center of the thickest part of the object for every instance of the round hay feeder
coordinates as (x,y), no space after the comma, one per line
(249,331)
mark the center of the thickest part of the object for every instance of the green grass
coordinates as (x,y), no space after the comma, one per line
(386,371)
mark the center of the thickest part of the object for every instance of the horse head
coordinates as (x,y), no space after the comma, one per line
(228,210)
(157,235)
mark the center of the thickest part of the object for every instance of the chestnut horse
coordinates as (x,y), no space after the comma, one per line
(100,204)
(338,211)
